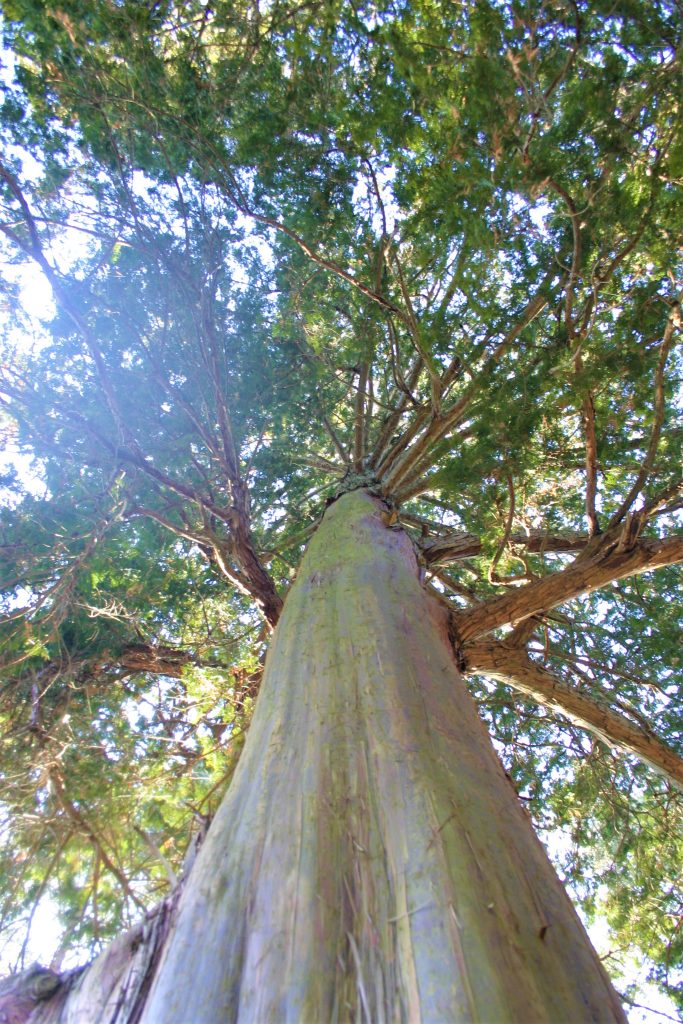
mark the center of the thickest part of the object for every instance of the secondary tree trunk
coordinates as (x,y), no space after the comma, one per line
(371,861)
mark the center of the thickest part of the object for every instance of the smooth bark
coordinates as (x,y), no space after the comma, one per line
(371,861)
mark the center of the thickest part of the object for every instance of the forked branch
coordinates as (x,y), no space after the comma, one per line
(401,460)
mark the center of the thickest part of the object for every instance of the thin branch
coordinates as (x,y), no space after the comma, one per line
(369,410)
(380,450)
(446,420)
(382,210)
(393,452)
(418,479)
(239,199)
(253,580)
(559,77)
(504,540)
(334,437)
(588,419)
(576,256)
(588,406)
(673,322)
(416,337)
(157,853)
(457,588)
(78,819)
(359,419)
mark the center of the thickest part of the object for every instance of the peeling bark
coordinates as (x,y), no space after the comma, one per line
(20,994)
(113,988)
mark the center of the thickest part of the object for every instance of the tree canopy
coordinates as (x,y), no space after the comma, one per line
(296,248)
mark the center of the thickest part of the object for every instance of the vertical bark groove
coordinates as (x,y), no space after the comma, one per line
(370,861)
(396,878)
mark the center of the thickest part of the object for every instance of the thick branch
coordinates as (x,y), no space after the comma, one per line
(453,546)
(514,666)
(139,657)
(581,577)
(161,660)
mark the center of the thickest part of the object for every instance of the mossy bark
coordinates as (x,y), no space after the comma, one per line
(371,861)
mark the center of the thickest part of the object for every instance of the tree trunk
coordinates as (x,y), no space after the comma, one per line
(370,862)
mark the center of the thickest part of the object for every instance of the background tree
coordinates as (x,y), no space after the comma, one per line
(425,249)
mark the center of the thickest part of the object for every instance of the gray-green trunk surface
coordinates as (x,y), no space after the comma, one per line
(370,862)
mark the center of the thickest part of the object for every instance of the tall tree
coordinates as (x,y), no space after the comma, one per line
(415,263)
